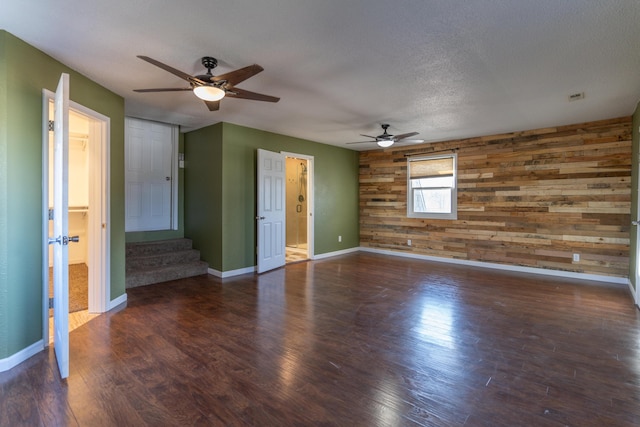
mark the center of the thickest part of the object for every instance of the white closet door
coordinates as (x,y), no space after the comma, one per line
(60,240)
(149,166)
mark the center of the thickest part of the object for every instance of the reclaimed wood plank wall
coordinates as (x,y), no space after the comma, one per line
(531,198)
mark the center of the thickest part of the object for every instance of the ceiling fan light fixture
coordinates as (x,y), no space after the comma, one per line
(209,93)
(384,143)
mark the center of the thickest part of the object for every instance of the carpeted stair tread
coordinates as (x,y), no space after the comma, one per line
(158,246)
(160,261)
(165,273)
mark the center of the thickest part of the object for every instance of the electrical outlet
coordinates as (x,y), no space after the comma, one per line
(576,257)
(408,242)
(339,239)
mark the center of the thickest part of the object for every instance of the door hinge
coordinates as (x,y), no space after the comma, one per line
(50,125)
(51,302)
(50,214)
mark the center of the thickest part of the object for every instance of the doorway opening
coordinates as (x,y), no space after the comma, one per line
(87,215)
(299,213)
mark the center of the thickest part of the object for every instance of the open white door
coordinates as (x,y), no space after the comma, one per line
(271,210)
(60,239)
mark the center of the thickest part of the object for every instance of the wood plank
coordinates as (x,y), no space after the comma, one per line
(550,183)
(359,339)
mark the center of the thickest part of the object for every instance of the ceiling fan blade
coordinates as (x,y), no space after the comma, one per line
(413,141)
(240,75)
(213,105)
(172,70)
(245,94)
(168,89)
(369,136)
(404,135)
(361,142)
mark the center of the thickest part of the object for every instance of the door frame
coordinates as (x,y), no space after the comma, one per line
(310,201)
(99,230)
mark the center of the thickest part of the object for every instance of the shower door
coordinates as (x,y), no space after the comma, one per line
(297,203)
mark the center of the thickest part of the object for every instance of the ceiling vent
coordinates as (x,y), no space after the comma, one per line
(576,96)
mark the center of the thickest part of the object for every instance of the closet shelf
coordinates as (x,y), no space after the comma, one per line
(78,209)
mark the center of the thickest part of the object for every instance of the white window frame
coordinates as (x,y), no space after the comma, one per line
(453,189)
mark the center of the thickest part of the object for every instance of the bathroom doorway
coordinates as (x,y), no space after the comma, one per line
(299,212)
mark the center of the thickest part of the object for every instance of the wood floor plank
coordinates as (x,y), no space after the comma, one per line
(49,393)
(17,403)
(360,339)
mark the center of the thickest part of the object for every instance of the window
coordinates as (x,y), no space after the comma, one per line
(431,187)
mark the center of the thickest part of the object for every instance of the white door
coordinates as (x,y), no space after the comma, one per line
(149,171)
(61,226)
(271,210)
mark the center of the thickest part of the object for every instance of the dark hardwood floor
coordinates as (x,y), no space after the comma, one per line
(355,340)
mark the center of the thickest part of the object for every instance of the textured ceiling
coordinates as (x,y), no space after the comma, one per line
(445,69)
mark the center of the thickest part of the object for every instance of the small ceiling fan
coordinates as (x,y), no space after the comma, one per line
(387,140)
(211,89)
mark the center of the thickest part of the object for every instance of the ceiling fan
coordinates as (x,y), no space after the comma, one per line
(387,140)
(211,89)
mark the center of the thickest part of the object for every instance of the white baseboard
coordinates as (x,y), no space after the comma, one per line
(253,269)
(230,273)
(116,302)
(336,253)
(516,268)
(634,294)
(19,357)
(506,267)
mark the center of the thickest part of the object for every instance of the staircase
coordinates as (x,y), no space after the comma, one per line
(161,261)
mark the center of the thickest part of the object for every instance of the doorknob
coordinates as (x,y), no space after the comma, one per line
(260,217)
(64,240)
(635,222)
(166,178)
(67,239)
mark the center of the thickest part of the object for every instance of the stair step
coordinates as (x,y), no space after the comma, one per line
(165,273)
(158,246)
(160,261)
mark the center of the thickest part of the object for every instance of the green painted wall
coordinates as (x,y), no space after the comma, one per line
(4,183)
(24,72)
(203,192)
(633,244)
(148,236)
(223,228)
